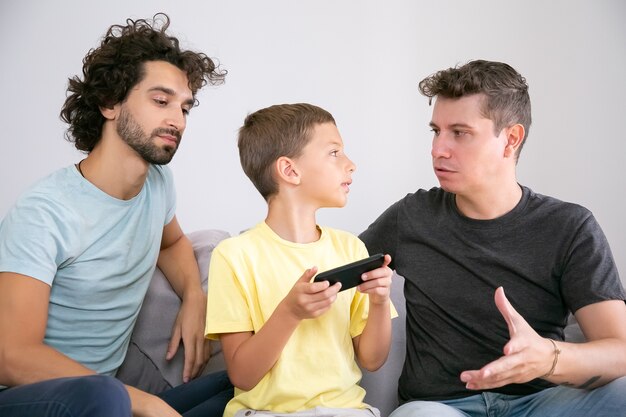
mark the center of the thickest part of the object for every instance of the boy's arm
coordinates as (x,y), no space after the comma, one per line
(249,356)
(178,263)
(373,344)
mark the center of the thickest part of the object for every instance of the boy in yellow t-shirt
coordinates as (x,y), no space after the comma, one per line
(291,345)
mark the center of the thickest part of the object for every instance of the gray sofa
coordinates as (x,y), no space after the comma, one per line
(145,366)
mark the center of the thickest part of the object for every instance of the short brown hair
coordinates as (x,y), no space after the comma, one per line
(506,92)
(272,132)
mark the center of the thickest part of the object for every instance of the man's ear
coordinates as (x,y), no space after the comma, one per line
(110,113)
(514,139)
(286,170)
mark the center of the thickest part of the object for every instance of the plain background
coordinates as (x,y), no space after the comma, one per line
(359,59)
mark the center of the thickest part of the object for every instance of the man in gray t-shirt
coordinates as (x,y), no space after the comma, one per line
(480,234)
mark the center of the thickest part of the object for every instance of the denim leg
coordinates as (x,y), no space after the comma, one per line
(446,408)
(606,401)
(89,396)
(204,396)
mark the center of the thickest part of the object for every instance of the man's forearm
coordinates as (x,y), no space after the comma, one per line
(589,365)
(178,264)
(29,364)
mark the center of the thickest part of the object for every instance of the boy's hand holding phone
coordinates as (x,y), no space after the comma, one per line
(307,299)
(378,283)
(370,275)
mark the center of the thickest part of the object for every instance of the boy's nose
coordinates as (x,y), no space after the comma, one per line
(351,165)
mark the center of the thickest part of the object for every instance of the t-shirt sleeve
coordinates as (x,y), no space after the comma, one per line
(170,193)
(590,274)
(382,235)
(227,308)
(31,240)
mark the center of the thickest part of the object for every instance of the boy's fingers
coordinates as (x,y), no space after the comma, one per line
(308,274)
(381,272)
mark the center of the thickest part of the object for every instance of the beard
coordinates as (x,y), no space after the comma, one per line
(133,134)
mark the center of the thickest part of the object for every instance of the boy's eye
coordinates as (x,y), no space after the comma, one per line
(334,153)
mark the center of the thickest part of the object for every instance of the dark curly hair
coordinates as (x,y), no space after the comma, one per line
(507,101)
(117,65)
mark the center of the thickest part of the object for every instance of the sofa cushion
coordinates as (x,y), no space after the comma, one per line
(145,366)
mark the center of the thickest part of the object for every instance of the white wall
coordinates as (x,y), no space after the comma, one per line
(361,60)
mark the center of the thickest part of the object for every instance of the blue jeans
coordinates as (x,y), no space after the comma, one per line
(105,396)
(606,401)
(202,397)
(94,395)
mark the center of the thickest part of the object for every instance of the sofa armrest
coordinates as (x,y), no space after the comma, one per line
(145,366)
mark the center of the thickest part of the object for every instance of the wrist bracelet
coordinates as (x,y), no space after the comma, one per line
(557,351)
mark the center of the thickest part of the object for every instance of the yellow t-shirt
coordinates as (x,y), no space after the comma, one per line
(249,276)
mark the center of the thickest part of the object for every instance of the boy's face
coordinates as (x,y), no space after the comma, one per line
(153,117)
(325,170)
(467,156)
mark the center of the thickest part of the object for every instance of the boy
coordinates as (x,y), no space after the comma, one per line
(290,344)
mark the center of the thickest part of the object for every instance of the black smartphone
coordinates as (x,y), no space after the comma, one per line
(350,274)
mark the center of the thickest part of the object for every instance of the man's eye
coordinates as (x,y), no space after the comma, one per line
(186,111)
(160,102)
(435,131)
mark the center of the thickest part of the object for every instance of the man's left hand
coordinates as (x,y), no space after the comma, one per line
(189,328)
(526,356)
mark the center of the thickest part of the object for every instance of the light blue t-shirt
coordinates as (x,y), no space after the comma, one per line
(98,254)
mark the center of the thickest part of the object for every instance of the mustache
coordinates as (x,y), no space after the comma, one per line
(166,131)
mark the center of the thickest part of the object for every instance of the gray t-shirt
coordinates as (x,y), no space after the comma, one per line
(551,257)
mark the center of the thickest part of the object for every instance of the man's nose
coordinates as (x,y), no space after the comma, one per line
(440,148)
(177,120)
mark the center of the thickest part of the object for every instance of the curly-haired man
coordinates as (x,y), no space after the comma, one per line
(78,249)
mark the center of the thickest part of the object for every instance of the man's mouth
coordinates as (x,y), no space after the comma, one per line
(169,136)
(169,139)
(442,169)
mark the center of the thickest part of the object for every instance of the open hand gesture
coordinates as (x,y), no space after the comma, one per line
(526,356)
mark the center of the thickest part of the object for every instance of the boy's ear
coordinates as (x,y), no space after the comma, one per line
(286,170)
